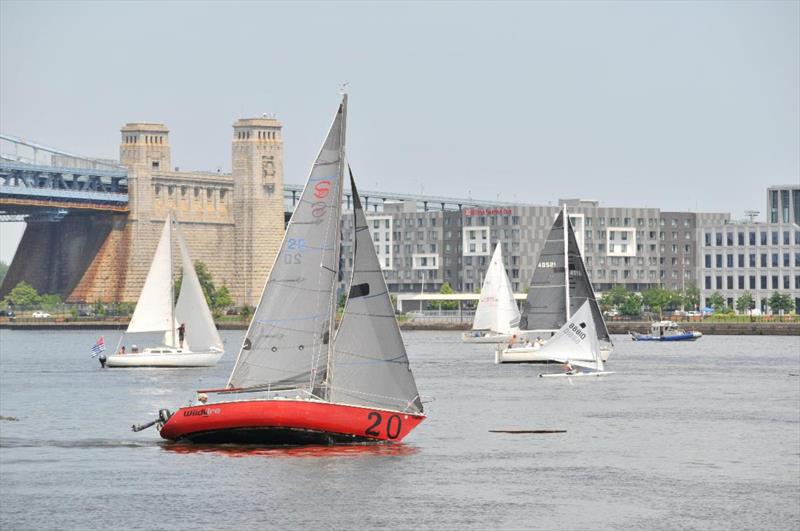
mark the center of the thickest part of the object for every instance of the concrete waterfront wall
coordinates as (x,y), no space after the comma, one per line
(733,329)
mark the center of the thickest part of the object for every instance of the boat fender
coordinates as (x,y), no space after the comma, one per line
(102,359)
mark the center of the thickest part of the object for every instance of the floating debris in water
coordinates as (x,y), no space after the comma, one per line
(527,431)
(9,418)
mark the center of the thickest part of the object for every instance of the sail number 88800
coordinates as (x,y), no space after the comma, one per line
(394,424)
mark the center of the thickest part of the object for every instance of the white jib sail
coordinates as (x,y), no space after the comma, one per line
(153,311)
(192,309)
(497,310)
(575,341)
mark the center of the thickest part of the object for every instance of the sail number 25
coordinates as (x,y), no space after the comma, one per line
(394,425)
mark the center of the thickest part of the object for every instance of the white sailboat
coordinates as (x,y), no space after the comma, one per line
(560,286)
(576,344)
(497,315)
(157,319)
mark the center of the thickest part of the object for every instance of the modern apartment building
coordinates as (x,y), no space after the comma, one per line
(420,250)
(636,248)
(760,258)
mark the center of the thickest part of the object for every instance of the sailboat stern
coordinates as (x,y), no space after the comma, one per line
(277,422)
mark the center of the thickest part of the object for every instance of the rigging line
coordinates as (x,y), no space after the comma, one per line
(400,358)
(275,369)
(324,163)
(288,285)
(359,314)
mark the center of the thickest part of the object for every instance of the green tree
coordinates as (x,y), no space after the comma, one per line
(3,270)
(716,301)
(657,299)
(675,299)
(23,296)
(691,297)
(50,301)
(781,301)
(447,305)
(632,305)
(745,302)
(222,298)
(614,298)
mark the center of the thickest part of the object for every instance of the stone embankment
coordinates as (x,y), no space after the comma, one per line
(757,328)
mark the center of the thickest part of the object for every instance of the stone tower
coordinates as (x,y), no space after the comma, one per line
(257,201)
(144,150)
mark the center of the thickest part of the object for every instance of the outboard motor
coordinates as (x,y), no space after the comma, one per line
(102,358)
(163,417)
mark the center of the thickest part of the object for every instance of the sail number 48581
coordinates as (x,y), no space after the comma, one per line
(394,425)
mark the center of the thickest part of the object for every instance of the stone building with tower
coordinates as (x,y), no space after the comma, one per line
(231,222)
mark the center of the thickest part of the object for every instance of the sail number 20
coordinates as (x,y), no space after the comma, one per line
(394,425)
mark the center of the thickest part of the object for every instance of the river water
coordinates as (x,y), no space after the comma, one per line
(701,435)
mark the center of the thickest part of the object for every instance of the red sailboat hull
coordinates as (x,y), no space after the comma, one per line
(280,422)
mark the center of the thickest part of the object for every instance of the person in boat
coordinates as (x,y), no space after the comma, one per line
(181,334)
(568,368)
(513,341)
(539,340)
(134,348)
(202,398)
(122,350)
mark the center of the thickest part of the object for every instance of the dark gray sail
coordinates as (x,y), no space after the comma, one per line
(369,366)
(545,307)
(287,344)
(580,287)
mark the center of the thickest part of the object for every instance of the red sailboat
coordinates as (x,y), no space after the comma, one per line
(295,381)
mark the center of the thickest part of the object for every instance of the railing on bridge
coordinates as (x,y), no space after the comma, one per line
(42,183)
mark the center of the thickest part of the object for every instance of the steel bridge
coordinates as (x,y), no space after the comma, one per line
(375,200)
(40,183)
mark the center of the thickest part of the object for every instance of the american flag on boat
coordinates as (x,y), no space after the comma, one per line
(99,347)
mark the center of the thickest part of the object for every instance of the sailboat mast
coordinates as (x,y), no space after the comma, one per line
(337,246)
(565,220)
(171,282)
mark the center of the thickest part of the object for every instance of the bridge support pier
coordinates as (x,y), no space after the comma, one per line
(71,258)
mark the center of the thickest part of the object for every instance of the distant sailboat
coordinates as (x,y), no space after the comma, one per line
(556,292)
(294,382)
(576,344)
(497,315)
(156,316)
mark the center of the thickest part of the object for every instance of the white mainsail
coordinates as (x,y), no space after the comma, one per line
(497,310)
(192,308)
(576,341)
(369,366)
(153,312)
(288,342)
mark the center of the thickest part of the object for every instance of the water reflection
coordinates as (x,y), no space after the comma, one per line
(315,451)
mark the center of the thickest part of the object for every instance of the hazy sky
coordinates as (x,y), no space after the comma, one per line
(678,105)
